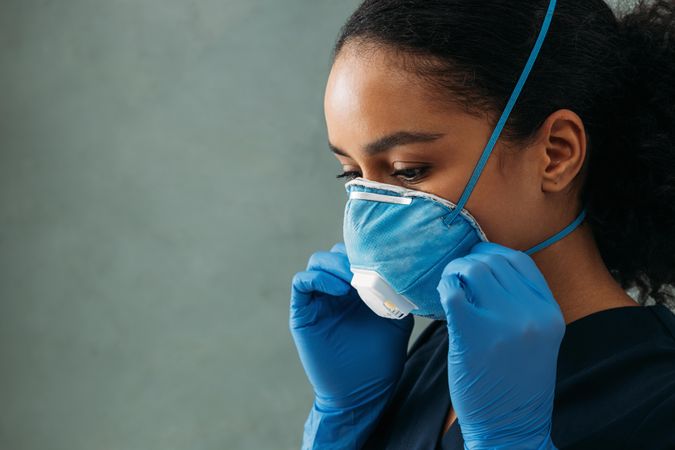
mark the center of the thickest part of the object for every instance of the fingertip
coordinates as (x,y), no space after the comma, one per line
(340,287)
(450,288)
(304,281)
(316,260)
(335,263)
(339,248)
(453,267)
(301,289)
(298,278)
(448,279)
(491,247)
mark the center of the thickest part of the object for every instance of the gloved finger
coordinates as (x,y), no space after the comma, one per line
(480,283)
(458,309)
(334,263)
(307,283)
(520,261)
(454,294)
(339,248)
(514,290)
(503,272)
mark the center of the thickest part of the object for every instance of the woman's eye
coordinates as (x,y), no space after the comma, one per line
(349,174)
(411,174)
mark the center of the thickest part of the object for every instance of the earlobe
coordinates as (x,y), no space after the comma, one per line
(565,147)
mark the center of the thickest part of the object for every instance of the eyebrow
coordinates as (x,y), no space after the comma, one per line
(392,140)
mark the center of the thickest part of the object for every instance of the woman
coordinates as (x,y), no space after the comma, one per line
(523,258)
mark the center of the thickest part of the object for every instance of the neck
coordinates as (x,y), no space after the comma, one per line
(578,277)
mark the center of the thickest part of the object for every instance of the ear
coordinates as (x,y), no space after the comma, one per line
(564,141)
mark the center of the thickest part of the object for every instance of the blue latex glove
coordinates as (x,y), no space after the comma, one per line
(504,332)
(352,357)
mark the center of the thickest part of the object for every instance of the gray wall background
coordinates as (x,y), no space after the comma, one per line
(163,174)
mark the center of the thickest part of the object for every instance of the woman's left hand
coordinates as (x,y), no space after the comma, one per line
(504,332)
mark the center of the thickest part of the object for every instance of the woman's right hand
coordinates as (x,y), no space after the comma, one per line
(352,357)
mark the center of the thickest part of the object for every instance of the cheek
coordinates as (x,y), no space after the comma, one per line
(501,202)
(497,214)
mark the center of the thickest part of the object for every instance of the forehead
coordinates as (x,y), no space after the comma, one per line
(368,90)
(370,84)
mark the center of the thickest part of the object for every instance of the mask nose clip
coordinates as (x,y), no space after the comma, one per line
(379,296)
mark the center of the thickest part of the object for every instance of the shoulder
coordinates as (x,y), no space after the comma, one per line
(616,381)
(666,317)
(656,430)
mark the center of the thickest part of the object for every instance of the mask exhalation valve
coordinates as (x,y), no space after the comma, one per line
(379,296)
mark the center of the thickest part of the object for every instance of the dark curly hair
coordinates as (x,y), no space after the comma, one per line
(616,70)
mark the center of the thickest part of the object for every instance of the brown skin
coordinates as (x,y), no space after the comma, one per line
(523,195)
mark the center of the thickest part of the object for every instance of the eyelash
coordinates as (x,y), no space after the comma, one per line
(419,171)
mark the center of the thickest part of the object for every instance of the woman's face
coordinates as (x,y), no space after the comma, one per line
(368,99)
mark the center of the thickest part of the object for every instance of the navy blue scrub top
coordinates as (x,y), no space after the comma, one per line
(615,386)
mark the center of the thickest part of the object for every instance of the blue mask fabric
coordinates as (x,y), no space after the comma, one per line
(399,240)
(405,237)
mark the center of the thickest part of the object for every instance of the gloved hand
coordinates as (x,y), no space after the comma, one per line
(504,332)
(352,357)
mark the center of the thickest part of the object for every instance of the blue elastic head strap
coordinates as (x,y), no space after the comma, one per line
(498,129)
